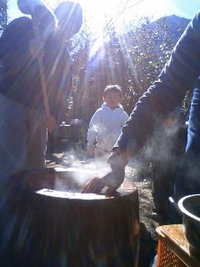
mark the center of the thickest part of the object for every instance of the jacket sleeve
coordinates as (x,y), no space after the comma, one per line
(93,128)
(178,76)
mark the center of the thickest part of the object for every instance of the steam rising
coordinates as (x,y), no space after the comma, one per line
(163,144)
(76,170)
(162,150)
(165,149)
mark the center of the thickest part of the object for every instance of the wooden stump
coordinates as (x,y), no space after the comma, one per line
(63,231)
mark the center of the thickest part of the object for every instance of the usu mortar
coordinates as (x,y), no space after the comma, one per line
(60,231)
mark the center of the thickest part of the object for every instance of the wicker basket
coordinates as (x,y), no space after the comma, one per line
(166,258)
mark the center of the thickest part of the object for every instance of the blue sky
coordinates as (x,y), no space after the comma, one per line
(184,8)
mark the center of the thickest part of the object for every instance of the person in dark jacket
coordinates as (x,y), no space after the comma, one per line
(179,75)
(23,129)
(23,122)
(187,178)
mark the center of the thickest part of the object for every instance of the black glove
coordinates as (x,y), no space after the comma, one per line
(111,181)
(114,178)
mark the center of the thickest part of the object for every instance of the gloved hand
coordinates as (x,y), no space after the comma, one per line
(118,160)
(94,186)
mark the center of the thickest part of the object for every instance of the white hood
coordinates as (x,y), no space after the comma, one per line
(105,126)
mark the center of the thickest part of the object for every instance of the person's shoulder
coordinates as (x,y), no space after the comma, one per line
(102,107)
(120,108)
(98,113)
(16,37)
(122,111)
(20,21)
(99,110)
(21,25)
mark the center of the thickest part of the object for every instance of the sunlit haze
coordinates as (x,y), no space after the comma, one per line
(96,11)
(101,15)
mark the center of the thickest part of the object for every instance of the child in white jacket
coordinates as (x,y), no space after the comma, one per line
(106,123)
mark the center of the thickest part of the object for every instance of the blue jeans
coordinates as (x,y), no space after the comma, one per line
(188,175)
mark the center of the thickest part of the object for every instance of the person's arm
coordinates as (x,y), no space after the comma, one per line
(178,76)
(113,179)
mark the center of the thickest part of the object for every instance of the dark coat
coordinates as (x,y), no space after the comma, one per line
(20,79)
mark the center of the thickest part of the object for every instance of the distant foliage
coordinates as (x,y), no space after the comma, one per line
(3,15)
(148,50)
(133,60)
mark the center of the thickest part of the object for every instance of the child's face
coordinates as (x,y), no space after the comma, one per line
(112,99)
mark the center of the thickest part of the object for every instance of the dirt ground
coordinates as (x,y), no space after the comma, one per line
(148,236)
